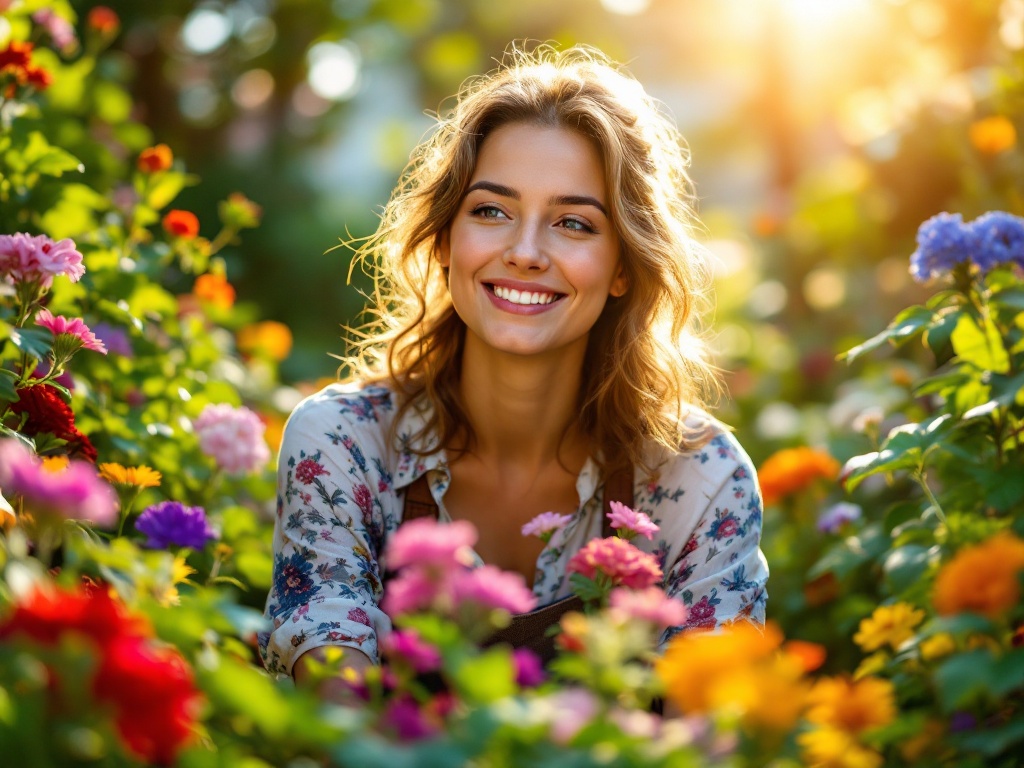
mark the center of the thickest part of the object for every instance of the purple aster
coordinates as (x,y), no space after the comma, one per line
(171,523)
(115,339)
(836,516)
(1000,238)
(942,242)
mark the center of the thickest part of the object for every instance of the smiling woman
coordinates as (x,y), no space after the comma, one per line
(534,351)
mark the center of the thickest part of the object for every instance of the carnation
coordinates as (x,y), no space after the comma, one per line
(427,543)
(629,523)
(45,412)
(408,645)
(38,259)
(71,334)
(171,523)
(492,588)
(233,437)
(545,524)
(651,605)
(618,561)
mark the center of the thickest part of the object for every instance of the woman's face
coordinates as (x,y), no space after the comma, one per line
(531,253)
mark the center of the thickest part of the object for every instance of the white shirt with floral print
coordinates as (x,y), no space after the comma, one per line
(341,487)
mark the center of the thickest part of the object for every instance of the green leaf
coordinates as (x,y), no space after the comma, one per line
(991,741)
(1009,673)
(965,677)
(905,565)
(937,337)
(487,677)
(982,347)
(8,394)
(42,157)
(904,327)
(35,342)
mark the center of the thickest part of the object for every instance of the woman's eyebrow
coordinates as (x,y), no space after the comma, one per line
(501,189)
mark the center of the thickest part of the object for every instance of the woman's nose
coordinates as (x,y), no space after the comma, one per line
(526,251)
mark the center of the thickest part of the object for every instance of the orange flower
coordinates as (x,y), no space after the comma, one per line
(182,224)
(833,748)
(141,476)
(103,20)
(983,578)
(269,338)
(158,158)
(889,625)
(992,135)
(852,706)
(792,470)
(215,289)
(275,429)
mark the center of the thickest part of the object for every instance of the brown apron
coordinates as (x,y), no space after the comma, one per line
(529,630)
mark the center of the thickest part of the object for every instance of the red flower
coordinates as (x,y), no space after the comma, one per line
(48,413)
(308,470)
(183,224)
(16,55)
(103,20)
(48,613)
(156,158)
(38,78)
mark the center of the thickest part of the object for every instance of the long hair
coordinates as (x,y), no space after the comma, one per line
(645,365)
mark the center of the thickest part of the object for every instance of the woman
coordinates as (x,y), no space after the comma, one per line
(536,283)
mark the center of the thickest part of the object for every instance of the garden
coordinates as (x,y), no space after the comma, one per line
(870,325)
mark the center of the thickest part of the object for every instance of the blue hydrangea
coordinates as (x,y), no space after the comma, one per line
(944,241)
(171,523)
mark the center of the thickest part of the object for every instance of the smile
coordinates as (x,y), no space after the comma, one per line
(523,297)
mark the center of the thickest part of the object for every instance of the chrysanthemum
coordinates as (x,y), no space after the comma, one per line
(171,523)
(889,625)
(545,524)
(70,334)
(984,578)
(629,523)
(792,470)
(852,706)
(139,477)
(833,748)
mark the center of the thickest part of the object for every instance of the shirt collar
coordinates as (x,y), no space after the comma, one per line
(412,465)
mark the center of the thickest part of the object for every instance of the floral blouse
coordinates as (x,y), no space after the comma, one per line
(341,487)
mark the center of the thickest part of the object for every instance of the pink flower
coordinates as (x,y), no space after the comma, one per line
(425,542)
(411,591)
(629,523)
(408,720)
(59,28)
(75,493)
(651,605)
(529,669)
(490,587)
(233,437)
(75,328)
(571,710)
(37,259)
(545,524)
(619,561)
(408,645)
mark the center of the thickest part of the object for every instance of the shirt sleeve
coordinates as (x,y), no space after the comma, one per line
(720,573)
(331,499)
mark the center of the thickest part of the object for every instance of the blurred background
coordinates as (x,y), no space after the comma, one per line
(822,133)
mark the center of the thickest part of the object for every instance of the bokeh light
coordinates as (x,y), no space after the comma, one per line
(334,70)
(205,30)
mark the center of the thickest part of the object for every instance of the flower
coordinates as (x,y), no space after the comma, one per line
(937,646)
(835,517)
(408,645)
(71,334)
(57,27)
(158,158)
(852,706)
(38,259)
(45,412)
(408,720)
(140,477)
(183,224)
(650,605)
(233,437)
(428,544)
(268,338)
(239,212)
(834,748)
(171,523)
(16,55)
(618,561)
(413,590)
(47,612)
(1000,239)
(492,588)
(103,20)
(76,493)
(942,242)
(15,60)
(113,338)
(992,135)
(529,668)
(889,625)
(545,524)
(984,578)
(792,470)
(629,523)
(215,289)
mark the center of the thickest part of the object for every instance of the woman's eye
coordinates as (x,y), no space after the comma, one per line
(488,212)
(576,225)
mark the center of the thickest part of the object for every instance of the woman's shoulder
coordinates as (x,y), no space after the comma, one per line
(709,449)
(354,403)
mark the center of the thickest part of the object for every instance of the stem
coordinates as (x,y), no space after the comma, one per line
(921,476)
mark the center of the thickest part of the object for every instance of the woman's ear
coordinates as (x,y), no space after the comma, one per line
(444,250)
(620,283)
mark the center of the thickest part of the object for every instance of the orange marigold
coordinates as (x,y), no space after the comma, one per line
(215,289)
(794,469)
(156,158)
(182,224)
(984,578)
(992,135)
(103,20)
(141,476)
(852,706)
(269,338)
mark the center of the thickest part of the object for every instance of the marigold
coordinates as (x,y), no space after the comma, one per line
(140,477)
(832,748)
(852,706)
(183,224)
(992,135)
(103,20)
(215,289)
(889,625)
(984,578)
(792,470)
(937,646)
(269,338)
(156,158)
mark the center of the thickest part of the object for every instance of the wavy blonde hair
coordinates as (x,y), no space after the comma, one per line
(645,364)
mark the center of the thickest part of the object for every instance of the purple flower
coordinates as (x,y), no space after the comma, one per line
(115,339)
(1000,238)
(836,516)
(942,242)
(529,669)
(407,719)
(171,523)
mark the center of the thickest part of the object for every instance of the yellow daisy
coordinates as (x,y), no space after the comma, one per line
(140,477)
(889,625)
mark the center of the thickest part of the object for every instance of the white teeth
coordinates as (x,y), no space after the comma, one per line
(524,297)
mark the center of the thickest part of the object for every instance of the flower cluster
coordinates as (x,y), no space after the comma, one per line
(233,437)
(616,562)
(38,259)
(945,241)
(792,470)
(43,412)
(17,70)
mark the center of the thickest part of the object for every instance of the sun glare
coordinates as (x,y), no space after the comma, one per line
(814,13)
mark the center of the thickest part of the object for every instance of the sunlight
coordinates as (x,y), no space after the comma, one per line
(817,13)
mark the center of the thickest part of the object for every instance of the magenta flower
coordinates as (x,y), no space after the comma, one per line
(545,524)
(492,588)
(171,523)
(425,542)
(529,669)
(37,259)
(408,720)
(651,605)
(407,644)
(618,561)
(411,591)
(71,335)
(233,437)
(629,523)
(75,493)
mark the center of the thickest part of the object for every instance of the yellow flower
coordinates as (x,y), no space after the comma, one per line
(55,464)
(792,470)
(889,624)
(167,593)
(982,579)
(937,646)
(831,748)
(992,135)
(140,477)
(269,338)
(871,665)
(853,706)
(770,694)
